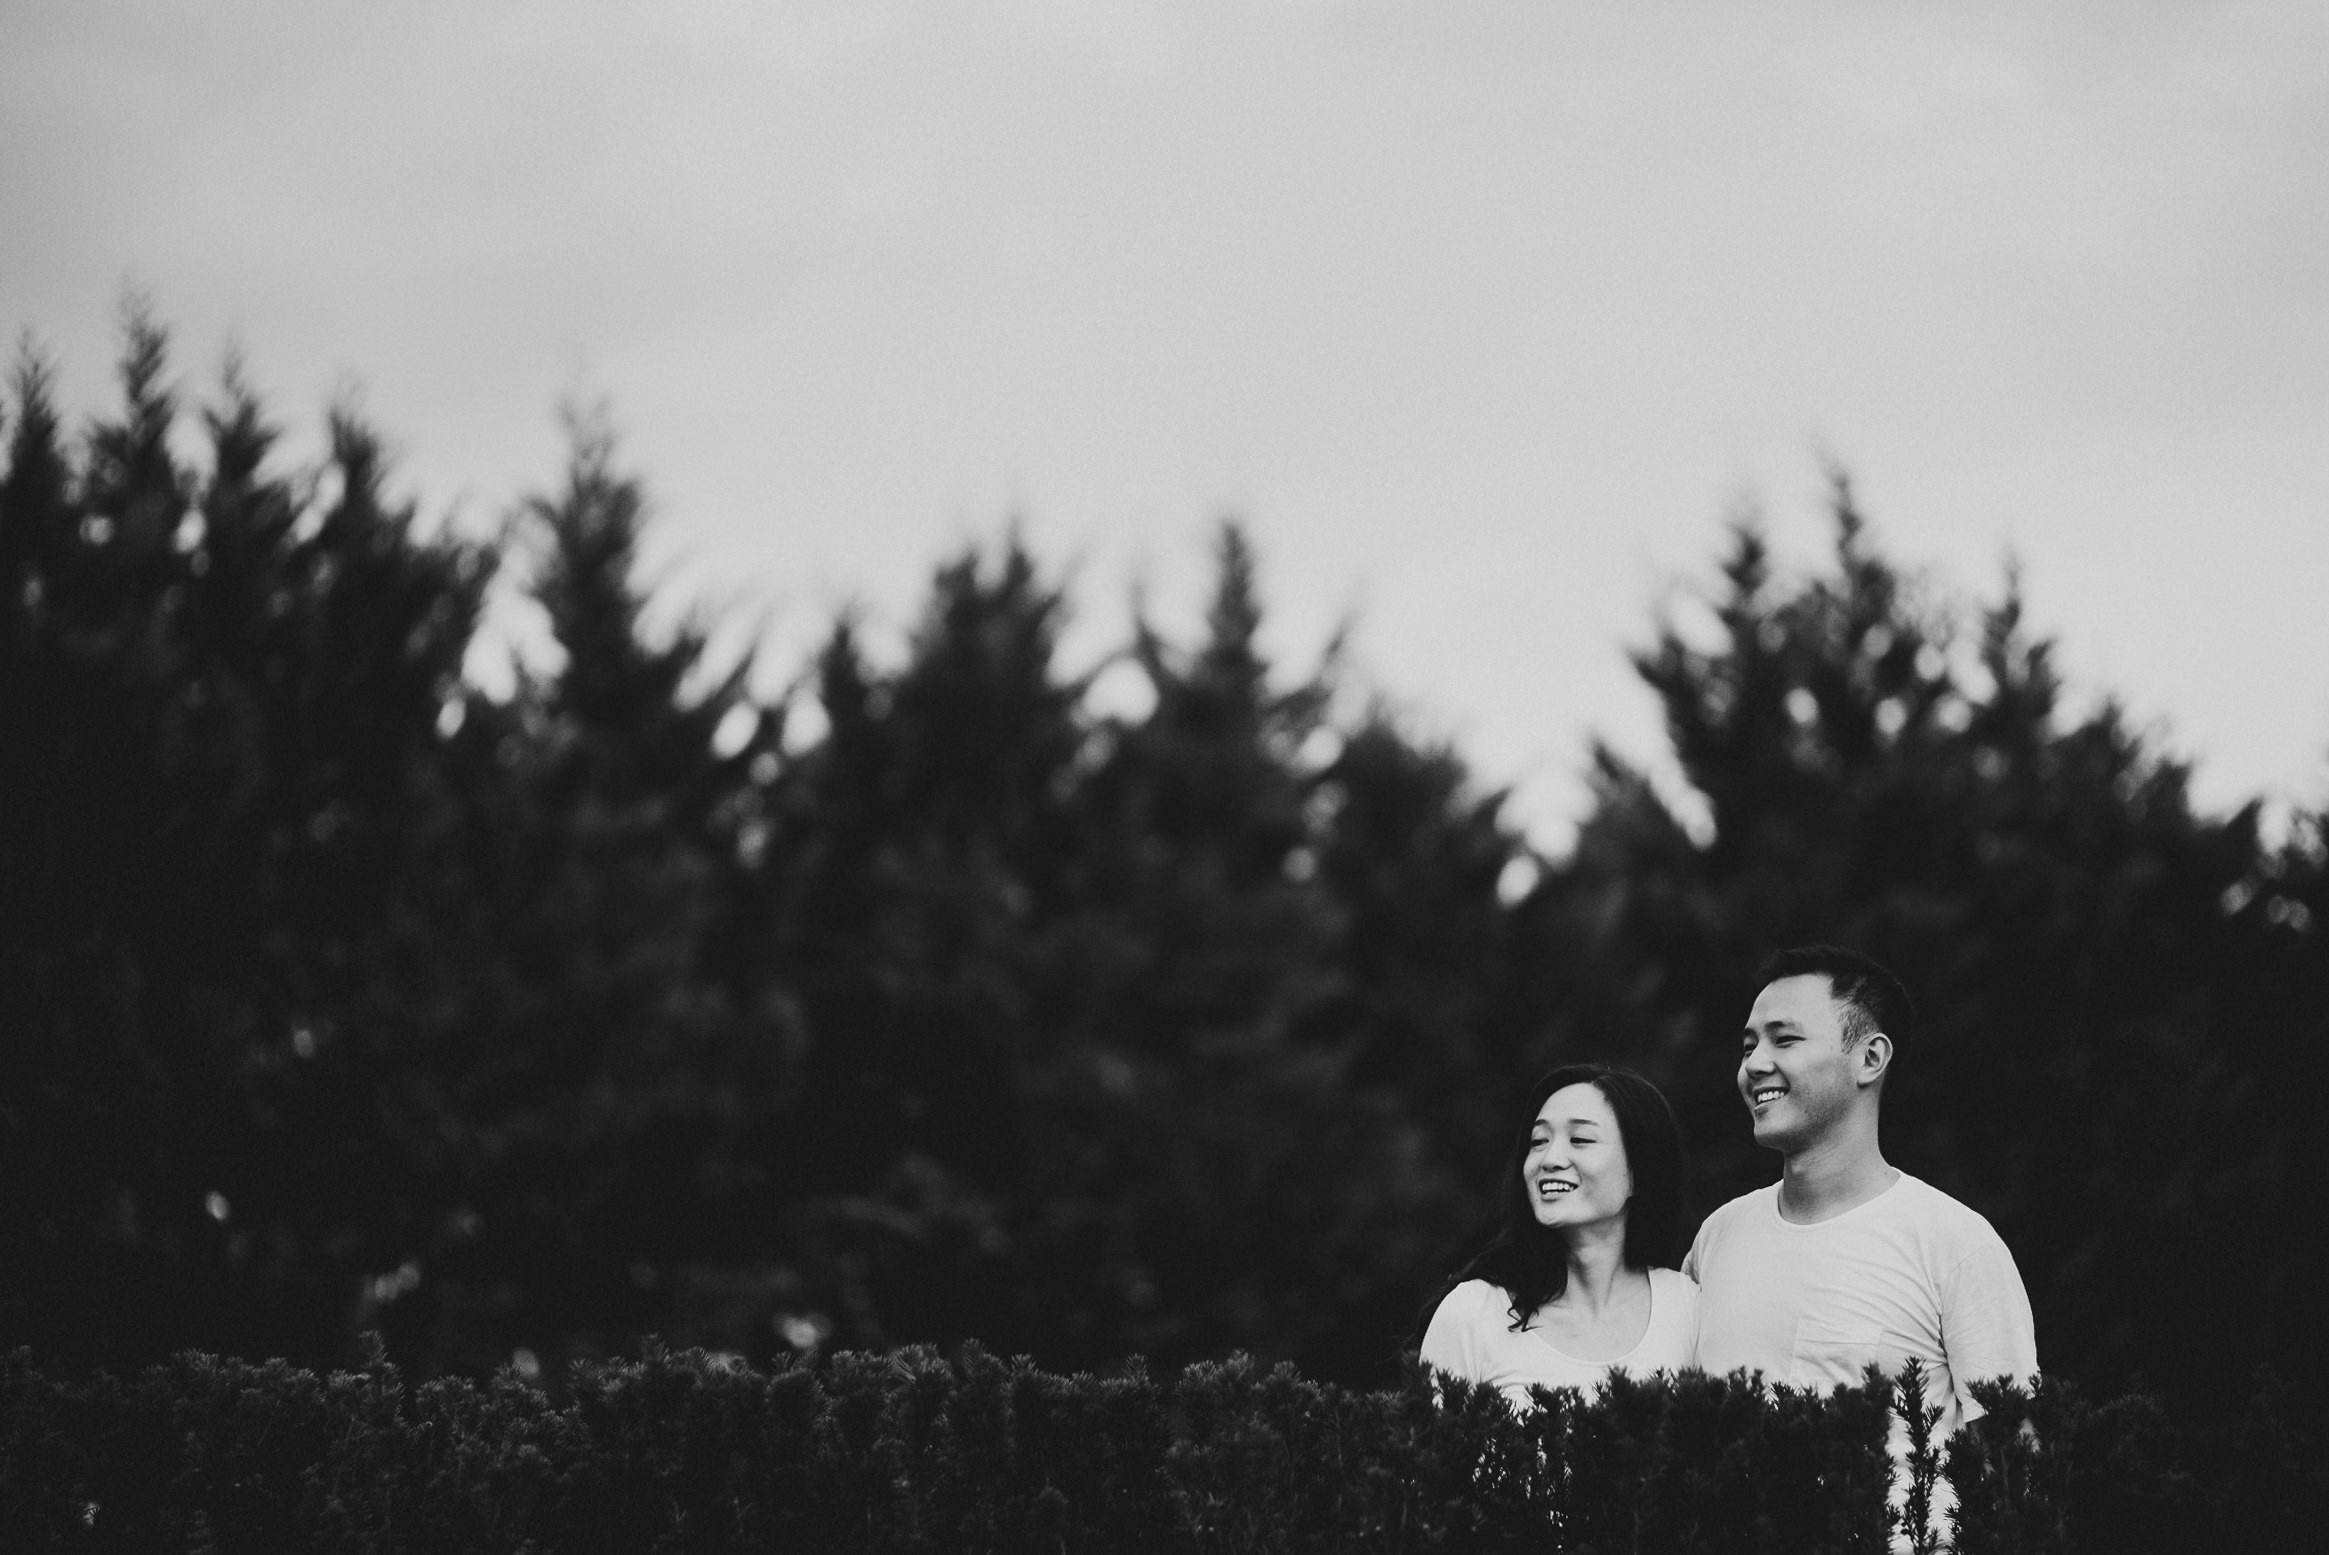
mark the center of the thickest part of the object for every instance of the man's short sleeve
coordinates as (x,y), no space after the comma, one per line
(1986,1326)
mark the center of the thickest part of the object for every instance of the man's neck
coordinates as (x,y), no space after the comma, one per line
(1829,1176)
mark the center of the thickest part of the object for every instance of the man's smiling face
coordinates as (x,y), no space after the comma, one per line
(1795,1073)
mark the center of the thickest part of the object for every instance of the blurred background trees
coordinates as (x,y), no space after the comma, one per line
(337,994)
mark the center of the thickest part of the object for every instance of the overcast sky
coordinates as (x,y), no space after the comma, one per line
(1485,316)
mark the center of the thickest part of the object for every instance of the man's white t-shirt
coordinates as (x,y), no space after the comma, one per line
(1910,1273)
(1471,1336)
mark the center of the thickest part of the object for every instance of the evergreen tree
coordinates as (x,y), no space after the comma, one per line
(929,845)
(1420,863)
(1255,1196)
(217,713)
(594,1068)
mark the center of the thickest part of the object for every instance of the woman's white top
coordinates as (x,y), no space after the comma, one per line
(1471,1336)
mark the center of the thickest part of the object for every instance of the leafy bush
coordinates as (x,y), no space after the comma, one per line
(915,1451)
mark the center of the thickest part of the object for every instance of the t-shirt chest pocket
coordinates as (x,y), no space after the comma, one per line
(1830,1354)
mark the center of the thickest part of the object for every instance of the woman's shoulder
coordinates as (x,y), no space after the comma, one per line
(1460,1330)
(1468,1298)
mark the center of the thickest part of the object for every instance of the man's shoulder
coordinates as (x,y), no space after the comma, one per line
(1745,1210)
(1951,1218)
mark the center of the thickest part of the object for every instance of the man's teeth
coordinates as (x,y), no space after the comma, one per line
(1769,1093)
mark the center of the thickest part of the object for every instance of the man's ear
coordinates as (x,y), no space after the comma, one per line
(1875,1058)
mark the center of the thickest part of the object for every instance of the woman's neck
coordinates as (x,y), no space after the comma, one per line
(1598,1276)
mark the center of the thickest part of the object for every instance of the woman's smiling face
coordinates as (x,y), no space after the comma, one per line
(1575,1170)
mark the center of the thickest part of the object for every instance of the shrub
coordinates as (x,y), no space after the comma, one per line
(919,1451)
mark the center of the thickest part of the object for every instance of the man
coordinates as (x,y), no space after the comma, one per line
(1847,1259)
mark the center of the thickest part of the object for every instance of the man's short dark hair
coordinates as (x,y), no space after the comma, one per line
(1872,997)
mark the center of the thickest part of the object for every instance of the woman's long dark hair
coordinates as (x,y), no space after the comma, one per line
(1531,1261)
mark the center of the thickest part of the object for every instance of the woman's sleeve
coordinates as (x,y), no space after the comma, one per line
(1689,1289)
(1450,1341)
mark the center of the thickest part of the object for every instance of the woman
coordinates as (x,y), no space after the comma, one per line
(1580,1279)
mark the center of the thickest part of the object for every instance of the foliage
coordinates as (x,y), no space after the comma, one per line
(221,699)
(919,1451)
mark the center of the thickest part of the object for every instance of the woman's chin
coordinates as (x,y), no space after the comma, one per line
(1574,1217)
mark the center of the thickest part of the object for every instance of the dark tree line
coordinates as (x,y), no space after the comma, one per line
(336,994)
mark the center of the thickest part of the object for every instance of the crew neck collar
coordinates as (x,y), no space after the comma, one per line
(1879,1196)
